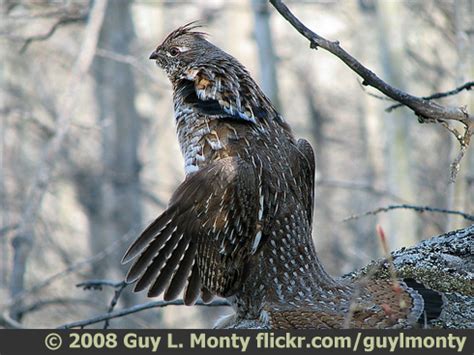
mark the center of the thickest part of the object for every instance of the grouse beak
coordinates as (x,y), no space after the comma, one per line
(154,55)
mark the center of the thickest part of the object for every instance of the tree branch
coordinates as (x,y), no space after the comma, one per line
(132,61)
(8,228)
(419,209)
(113,302)
(466,86)
(9,321)
(42,37)
(426,110)
(98,284)
(136,309)
(369,188)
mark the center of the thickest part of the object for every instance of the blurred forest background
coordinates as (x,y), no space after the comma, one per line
(89,155)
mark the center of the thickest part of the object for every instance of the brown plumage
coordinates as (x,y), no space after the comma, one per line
(239,226)
(216,218)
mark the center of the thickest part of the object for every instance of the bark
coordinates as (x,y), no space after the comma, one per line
(444,264)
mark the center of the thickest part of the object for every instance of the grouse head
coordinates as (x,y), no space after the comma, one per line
(210,81)
(184,48)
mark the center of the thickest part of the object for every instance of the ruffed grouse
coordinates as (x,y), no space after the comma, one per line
(239,226)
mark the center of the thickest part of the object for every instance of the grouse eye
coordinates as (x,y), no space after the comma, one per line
(174,51)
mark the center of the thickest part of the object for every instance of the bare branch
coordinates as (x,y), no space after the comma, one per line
(419,209)
(153,198)
(466,86)
(98,284)
(379,97)
(60,22)
(362,282)
(9,321)
(456,164)
(139,308)
(113,302)
(8,228)
(426,110)
(132,61)
(371,189)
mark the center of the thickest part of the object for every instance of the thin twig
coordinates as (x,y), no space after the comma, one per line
(153,198)
(42,37)
(353,305)
(362,282)
(98,284)
(139,308)
(113,302)
(386,252)
(391,268)
(359,285)
(456,164)
(420,209)
(9,321)
(379,97)
(369,188)
(132,61)
(8,228)
(466,86)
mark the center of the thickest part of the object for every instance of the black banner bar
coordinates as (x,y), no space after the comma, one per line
(59,342)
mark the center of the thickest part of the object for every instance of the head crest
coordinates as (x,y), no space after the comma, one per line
(186,29)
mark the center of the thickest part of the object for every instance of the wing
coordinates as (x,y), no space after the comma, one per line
(305,169)
(206,237)
(223,94)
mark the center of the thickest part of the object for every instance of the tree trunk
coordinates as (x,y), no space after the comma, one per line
(266,53)
(112,196)
(398,148)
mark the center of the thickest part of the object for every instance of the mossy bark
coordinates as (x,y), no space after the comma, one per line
(445,264)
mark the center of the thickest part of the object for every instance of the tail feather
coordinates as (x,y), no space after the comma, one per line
(206,295)
(152,270)
(166,273)
(194,286)
(148,236)
(433,301)
(149,254)
(182,273)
